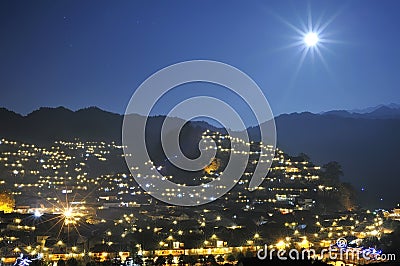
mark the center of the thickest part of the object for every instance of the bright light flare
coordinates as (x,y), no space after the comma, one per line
(37,214)
(65,216)
(311,39)
(70,216)
(68,213)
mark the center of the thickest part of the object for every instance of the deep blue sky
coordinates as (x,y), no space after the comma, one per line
(95,53)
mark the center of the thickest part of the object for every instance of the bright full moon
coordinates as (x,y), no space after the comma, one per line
(311,39)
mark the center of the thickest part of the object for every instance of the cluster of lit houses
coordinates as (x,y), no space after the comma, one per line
(77,199)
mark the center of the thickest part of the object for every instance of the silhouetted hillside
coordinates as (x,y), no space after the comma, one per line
(367,147)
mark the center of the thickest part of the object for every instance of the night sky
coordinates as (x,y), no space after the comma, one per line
(95,53)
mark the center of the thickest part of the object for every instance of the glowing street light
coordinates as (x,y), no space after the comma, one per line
(37,214)
(281,244)
(68,213)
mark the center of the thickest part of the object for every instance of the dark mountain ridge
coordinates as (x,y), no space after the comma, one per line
(49,124)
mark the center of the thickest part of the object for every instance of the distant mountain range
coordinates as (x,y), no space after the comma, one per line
(373,108)
(366,144)
(378,112)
